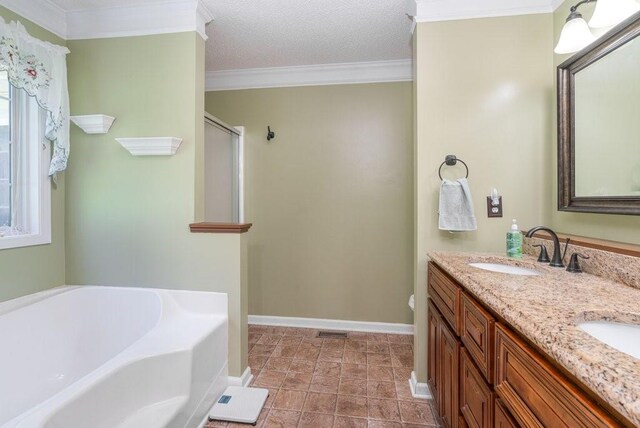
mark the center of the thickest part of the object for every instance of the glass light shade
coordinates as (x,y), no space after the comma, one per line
(611,12)
(575,35)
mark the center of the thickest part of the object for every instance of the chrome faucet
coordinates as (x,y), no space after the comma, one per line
(556,259)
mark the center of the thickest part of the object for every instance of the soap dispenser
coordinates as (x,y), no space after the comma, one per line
(514,241)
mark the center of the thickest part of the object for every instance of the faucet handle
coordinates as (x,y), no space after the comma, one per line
(544,256)
(574,266)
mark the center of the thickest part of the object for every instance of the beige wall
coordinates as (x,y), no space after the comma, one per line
(605,226)
(31,269)
(128,216)
(483,90)
(330,199)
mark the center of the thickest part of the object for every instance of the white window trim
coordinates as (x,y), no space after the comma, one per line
(43,236)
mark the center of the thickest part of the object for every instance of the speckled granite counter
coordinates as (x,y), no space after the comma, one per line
(545,309)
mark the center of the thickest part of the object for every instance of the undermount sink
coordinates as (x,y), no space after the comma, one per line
(508,269)
(623,337)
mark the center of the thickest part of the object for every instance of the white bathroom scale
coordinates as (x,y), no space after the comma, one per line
(239,404)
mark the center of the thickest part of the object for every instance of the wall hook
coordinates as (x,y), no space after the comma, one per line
(270,134)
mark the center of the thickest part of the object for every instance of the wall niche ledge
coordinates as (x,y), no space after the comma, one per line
(151,146)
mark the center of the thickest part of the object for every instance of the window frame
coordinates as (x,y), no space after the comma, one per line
(40,217)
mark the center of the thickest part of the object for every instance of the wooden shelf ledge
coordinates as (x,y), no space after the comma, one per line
(206,227)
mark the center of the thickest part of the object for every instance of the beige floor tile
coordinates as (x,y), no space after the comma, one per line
(297,381)
(289,400)
(354,357)
(264,350)
(269,339)
(320,403)
(285,351)
(351,405)
(282,419)
(353,387)
(269,379)
(324,384)
(315,420)
(402,373)
(355,345)
(378,389)
(327,368)
(378,347)
(386,410)
(302,366)
(278,364)
(334,355)
(379,360)
(384,424)
(380,373)
(354,371)
(403,391)
(416,412)
(377,337)
(348,422)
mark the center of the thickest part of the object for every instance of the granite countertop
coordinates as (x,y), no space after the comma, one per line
(546,308)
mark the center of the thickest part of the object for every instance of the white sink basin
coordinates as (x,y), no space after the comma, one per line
(500,268)
(623,337)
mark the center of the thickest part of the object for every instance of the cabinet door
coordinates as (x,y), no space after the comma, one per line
(433,349)
(535,393)
(449,390)
(502,417)
(477,335)
(476,398)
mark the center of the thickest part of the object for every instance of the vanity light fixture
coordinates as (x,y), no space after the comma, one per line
(576,34)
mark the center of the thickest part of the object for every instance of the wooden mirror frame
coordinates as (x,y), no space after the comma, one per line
(567,200)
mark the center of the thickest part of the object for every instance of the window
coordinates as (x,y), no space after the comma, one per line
(25,192)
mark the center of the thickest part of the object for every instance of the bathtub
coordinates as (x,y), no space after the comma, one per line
(78,357)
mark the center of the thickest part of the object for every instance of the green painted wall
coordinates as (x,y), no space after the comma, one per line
(330,199)
(605,226)
(483,91)
(31,269)
(128,216)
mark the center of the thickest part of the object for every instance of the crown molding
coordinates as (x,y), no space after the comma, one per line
(449,10)
(311,75)
(118,21)
(138,20)
(41,12)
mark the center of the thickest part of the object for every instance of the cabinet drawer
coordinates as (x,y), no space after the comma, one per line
(535,393)
(476,398)
(502,417)
(477,333)
(446,296)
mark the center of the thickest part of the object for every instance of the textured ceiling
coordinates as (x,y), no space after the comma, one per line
(277,33)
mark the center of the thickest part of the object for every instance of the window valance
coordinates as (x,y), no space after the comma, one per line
(40,68)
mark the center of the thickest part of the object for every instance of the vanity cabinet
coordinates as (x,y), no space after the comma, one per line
(483,374)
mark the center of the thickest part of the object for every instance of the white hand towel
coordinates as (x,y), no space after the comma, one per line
(456,206)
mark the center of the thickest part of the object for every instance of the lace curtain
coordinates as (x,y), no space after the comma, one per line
(40,68)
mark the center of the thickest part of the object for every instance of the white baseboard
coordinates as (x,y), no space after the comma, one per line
(419,389)
(243,380)
(340,325)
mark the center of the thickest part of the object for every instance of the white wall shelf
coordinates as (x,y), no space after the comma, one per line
(151,146)
(94,123)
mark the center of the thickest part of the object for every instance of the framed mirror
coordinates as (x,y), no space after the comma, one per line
(599,125)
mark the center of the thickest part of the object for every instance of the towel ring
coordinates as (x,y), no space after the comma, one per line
(451,160)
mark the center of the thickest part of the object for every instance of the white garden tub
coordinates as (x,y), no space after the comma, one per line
(89,356)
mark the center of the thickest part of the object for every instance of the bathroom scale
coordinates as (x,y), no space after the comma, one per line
(238,404)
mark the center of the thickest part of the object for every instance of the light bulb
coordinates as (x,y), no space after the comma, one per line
(611,12)
(575,35)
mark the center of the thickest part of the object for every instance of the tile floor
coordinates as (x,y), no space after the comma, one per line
(361,381)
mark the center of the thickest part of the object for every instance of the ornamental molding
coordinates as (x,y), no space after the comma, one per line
(116,21)
(449,10)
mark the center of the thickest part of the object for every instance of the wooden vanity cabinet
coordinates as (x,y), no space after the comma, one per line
(444,362)
(483,374)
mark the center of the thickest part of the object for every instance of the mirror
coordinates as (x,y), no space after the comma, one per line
(599,125)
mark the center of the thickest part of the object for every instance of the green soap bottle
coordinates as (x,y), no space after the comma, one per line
(514,241)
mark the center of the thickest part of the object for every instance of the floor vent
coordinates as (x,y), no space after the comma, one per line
(332,334)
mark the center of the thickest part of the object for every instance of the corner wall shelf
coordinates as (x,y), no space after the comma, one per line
(94,123)
(151,146)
